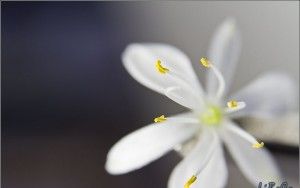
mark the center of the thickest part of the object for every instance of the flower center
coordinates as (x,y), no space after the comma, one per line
(211,116)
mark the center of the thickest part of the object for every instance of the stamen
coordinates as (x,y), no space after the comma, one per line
(186,97)
(232,104)
(161,69)
(207,157)
(206,63)
(160,119)
(182,83)
(258,145)
(190,182)
(205,161)
(180,80)
(183,120)
(245,135)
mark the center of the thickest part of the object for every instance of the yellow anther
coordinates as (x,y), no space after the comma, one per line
(232,104)
(160,119)
(205,62)
(190,182)
(161,69)
(258,145)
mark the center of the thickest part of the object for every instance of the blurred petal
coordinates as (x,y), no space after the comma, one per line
(139,60)
(271,95)
(147,144)
(271,130)
(256,164)
(224,52)
(207,156)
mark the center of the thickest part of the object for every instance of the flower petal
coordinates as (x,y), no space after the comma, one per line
(207,153)
(139,60)
(147,144)
(224,52)
(256,164)
(271,95)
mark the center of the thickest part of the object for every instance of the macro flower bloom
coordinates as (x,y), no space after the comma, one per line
(198,134)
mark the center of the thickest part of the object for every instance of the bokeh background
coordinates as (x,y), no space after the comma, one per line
(66,98)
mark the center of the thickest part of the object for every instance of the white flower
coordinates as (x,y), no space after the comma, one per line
(199,133)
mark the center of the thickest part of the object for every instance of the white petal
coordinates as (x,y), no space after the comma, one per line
(224,52)
(147,144)
(140,59)
(271,95)
(256,164)
(214,173)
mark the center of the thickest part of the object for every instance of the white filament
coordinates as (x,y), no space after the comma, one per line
(195,92)
(183,100)
(221,81)
(183,120)
(243,134)
(212,149)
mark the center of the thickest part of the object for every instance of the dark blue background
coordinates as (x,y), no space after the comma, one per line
(66,97)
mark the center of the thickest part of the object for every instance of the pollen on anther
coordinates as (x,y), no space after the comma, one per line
(161,69)
(160,119)
(205,62)
(232,104)
(190,182)
(258,145)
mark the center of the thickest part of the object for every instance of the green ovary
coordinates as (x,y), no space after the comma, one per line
(211,116)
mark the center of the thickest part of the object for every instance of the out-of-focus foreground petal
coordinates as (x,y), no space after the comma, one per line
(256,164)
(224,53)
(139,60)
(271,95)
(283,130)
(207,156)
(147,144)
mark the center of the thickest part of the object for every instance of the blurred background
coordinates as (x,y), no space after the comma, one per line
(66,98)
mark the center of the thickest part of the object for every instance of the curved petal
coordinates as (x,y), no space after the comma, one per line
(256,164)
(147,144)
(271,95)
(224,52)
(139,60)
(207,156)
